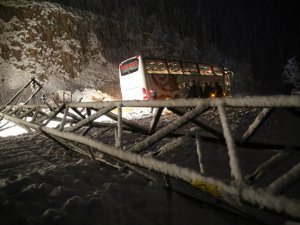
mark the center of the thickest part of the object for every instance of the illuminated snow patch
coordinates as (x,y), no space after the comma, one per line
(10,129)
(136,112)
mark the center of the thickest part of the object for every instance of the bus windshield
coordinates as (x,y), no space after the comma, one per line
(130,66)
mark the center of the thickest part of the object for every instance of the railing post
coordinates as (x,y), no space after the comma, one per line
(119,135)
(155,119)
(63,122)
(200,153)
(233,159)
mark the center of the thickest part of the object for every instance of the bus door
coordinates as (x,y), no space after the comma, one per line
(159,79)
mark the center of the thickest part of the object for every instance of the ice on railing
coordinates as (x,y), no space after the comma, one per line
(286,181)
(233,159)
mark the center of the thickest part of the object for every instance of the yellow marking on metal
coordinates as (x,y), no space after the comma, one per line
(206,187)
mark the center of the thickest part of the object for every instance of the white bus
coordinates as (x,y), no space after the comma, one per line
(141,76)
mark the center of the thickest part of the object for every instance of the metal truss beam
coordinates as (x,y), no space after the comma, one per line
(37,117)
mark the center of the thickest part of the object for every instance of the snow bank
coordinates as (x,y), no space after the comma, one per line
(90,95)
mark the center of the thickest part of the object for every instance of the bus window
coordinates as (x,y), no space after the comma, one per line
(129,66)
(190,68)
(140,76)
(218,70)
(205,69)
(174,68)
(156,66)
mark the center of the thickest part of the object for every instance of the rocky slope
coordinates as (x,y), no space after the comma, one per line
(56,45)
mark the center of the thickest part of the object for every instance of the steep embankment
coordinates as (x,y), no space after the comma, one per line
(56,45)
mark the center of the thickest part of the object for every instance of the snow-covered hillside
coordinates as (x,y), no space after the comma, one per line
(57,46)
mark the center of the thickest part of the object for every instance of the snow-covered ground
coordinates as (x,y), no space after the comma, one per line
(42,183)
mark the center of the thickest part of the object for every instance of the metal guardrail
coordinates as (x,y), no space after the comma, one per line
(75,117)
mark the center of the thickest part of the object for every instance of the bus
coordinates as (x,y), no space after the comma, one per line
(140,76)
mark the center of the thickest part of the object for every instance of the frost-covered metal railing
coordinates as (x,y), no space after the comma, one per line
(35,87)
(78,118)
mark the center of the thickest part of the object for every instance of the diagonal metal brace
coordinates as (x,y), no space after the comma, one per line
(90,119)
(170,128)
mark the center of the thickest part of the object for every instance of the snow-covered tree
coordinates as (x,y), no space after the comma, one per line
(291,73)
